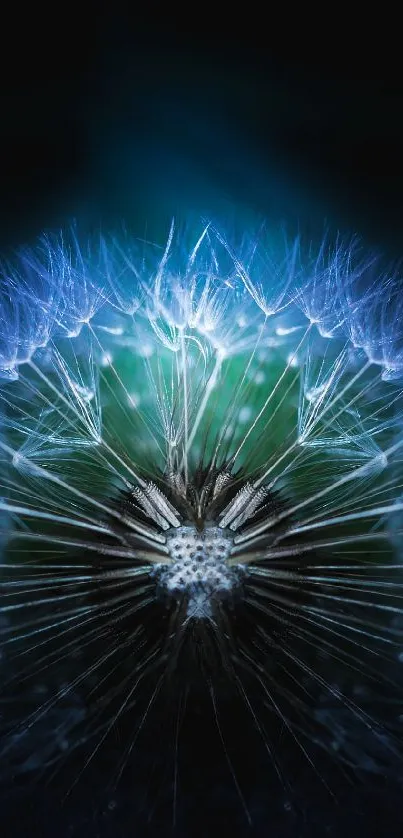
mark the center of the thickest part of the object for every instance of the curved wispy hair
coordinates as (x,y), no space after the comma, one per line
(201,449)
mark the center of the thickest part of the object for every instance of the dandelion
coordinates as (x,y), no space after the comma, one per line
(201,489)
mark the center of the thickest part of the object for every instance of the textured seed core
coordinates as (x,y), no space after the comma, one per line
(199,568)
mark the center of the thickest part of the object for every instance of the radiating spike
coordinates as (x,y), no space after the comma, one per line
(250,508)
(236,506)
(243,506)
(222,481)
(156,506)
(161,503)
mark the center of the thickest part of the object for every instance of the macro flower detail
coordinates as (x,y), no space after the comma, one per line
(201,467)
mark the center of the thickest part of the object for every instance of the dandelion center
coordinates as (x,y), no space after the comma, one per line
(199,567)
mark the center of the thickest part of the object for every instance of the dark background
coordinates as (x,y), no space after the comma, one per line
(109,117)
(112,119)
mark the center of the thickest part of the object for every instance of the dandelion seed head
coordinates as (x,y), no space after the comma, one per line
(200,447)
